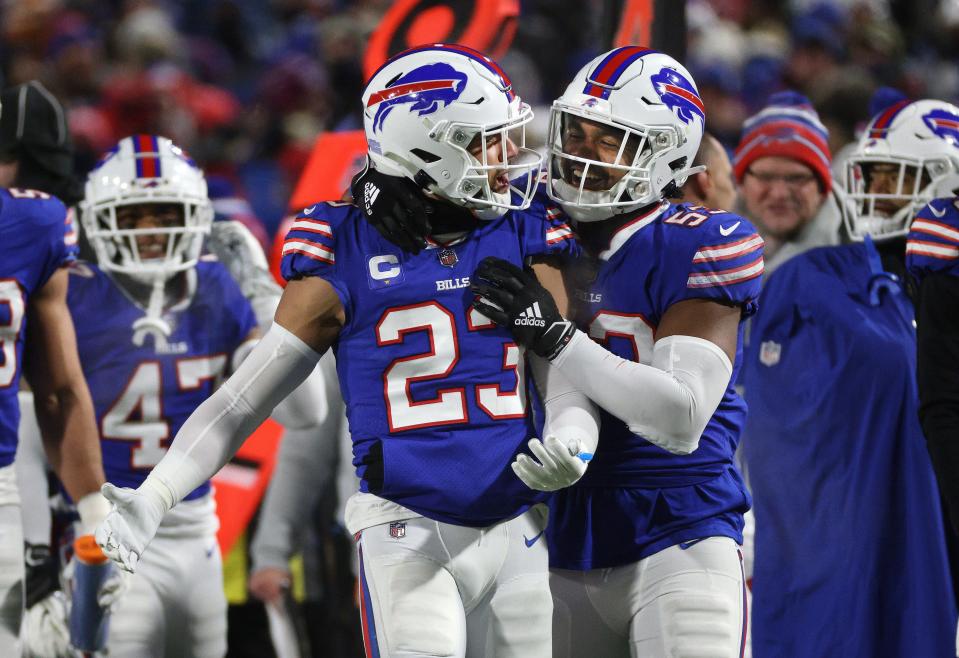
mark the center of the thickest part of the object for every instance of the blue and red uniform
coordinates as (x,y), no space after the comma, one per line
(439,388)
(143,394)
(636,498)
(933,242)
(37,237)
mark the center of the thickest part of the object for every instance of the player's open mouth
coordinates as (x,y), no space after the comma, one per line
(501,183)
(594,181)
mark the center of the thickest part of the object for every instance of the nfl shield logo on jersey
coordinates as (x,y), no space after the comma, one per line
(398,530)
(769,353)
(448,257)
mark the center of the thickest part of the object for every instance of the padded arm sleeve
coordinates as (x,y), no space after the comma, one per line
(668,402)
(219,426)
(570,414)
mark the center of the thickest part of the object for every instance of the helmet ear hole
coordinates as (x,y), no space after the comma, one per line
(425,156)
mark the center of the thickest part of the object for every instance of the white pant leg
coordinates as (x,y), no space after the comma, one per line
(578,628)
(409,601)
(31,466)
(693,602)
(175,605)
(11,564)
(199,628)
(673,604)
(445,590)
(514,620)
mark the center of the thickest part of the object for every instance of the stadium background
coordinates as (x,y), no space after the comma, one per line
(265,96)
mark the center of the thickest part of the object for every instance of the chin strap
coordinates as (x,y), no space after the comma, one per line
(153,323)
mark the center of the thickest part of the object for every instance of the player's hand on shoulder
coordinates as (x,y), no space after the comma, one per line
(557,465)
(129,527)
(513,298)
(269,583)
(394,206)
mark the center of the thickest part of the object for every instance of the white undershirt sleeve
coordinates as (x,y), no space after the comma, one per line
(668,402)
(218,427)
(569,413)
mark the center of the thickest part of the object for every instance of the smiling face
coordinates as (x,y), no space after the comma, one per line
(145,216)
(781,194)
(592,140)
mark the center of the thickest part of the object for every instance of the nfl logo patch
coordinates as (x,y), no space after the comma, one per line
(448,257)
(769,353)
(398,530)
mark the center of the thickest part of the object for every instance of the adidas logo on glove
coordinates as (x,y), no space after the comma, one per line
(531,317)
(370,192)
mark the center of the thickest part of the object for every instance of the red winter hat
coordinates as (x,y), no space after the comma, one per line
(788,127)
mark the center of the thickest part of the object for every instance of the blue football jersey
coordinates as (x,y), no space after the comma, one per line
(438,386)
(636,498)
(850,551)
(933,241)
(143,394)
(37,237)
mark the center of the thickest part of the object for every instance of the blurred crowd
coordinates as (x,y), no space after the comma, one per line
(248,85)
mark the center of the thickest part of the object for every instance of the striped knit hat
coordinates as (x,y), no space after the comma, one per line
(789,127)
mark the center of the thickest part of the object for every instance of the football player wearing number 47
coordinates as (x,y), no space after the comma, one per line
(644,549)
(450,556)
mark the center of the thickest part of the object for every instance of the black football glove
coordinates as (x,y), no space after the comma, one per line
(513,298)
(395,206)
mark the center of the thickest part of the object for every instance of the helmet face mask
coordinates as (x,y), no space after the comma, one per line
(647,103)
(898,168)
(446,117)
(146,177)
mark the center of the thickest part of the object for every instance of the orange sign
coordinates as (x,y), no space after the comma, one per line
(635,24)
(486,25)
(239,486)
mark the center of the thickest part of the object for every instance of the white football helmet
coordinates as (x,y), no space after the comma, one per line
(145,169)
(425,107)
(914,146)
(653,107)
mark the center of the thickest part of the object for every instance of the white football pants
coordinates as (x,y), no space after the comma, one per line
(434,589)
(175,607)
(677,603)
(11,564)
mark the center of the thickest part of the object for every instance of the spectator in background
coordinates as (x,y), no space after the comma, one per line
(714,187)
(782,164)
(849,528)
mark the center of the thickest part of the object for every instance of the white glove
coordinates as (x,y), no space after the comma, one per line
(130,526)
(559,465)
(243,256)
(45,632)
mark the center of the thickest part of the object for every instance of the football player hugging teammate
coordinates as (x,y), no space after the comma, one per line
(644,548)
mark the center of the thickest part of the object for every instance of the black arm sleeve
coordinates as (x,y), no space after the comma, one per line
(938,377)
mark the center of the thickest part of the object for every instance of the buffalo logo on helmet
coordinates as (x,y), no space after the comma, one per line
(944,124)
(425,88)
(679,95)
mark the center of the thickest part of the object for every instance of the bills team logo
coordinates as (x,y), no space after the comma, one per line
(679,95)
(425,88)
(944,124)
